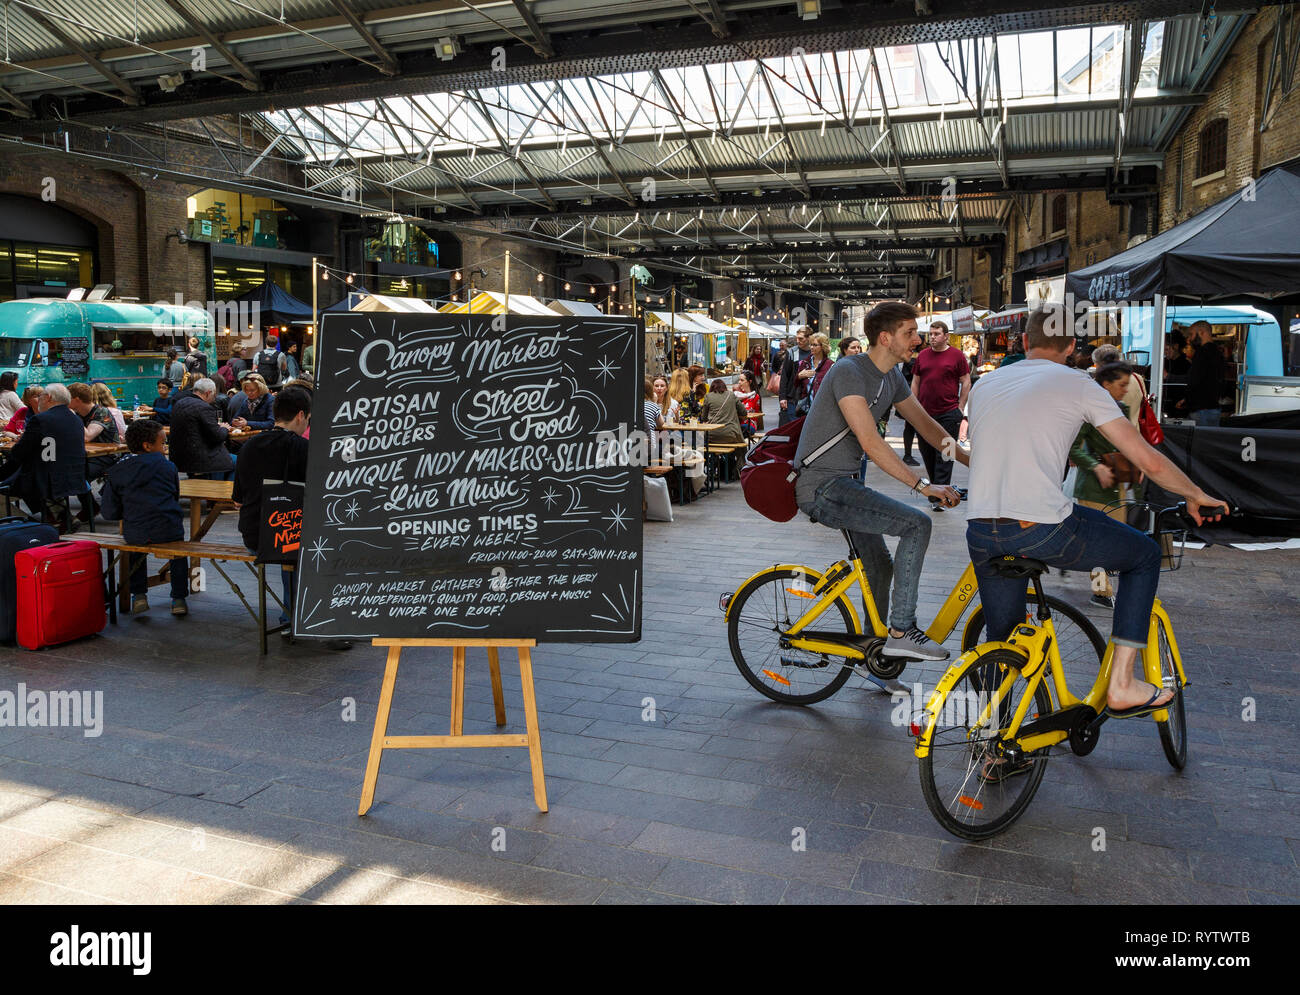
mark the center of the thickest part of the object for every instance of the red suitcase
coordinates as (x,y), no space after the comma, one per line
(60,593)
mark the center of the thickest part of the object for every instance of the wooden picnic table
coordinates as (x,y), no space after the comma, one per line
(695,429)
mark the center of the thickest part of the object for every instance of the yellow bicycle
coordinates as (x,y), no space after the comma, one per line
(797,638)
(988,728)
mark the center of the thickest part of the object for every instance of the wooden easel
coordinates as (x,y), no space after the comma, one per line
(381,741)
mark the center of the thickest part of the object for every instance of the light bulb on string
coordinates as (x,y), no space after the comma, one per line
(566,286)
(325,275)
(349,278)
(591,290)
(456,276)
(539,277)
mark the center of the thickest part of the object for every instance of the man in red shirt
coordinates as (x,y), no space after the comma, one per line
(941,383)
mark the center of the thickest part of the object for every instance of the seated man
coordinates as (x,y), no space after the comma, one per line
(198,439)
(100,426)
(857,392)
(49,459)
(1028,416)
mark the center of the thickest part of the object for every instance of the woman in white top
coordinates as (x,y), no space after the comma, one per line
(10,402)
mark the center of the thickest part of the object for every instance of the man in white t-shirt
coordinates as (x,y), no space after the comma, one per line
(1023,419)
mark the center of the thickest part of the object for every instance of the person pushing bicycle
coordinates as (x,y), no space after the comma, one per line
(1025,418)
(857,392)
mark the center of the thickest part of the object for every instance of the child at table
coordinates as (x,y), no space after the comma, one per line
(162,404)
(143,489)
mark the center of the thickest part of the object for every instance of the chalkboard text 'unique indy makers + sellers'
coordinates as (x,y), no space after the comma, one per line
(460,483)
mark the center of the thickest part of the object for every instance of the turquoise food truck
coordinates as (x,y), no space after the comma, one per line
(45,340)
(1254,373)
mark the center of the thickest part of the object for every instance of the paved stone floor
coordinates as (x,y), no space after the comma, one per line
(220,777)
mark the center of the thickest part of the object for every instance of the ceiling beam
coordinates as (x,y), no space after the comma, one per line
(251,80)
(388,64)
(541,43)
(581,50)
(130,95)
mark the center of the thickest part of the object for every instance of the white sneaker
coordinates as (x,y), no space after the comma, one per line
(915,645)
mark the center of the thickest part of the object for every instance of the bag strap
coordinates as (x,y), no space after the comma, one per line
(823,449)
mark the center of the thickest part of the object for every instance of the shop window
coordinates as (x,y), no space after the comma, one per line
(1212,152)
(1058,213)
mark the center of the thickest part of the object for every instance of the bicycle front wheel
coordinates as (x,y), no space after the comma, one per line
(1173,730)
(970,789)
(760,613)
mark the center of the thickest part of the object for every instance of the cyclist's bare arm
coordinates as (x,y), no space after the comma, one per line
(931,431)
(858,416)
(1124,437)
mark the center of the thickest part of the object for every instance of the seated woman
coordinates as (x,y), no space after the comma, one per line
(105,399)
(15,425)
(691,404)
(722,407)
(252,403)
(9,400)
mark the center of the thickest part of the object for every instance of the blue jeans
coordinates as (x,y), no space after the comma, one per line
(1086,539)
(844,503)
(1207,416)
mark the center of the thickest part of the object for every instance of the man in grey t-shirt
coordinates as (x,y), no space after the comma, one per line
(855,394)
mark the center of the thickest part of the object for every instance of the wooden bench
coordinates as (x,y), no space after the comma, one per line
(724,453)
(117,549)
(675,466)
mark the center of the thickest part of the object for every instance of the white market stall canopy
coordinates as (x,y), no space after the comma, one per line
(402,305)
(576,307)
(683,324)
(494,302)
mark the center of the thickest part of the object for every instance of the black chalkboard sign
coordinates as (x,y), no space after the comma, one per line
(75,356)
(466,478)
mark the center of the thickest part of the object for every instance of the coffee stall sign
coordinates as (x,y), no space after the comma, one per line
(466,479)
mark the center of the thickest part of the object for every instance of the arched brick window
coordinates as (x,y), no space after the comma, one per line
(1212,152)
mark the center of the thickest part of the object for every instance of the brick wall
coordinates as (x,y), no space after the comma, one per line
(487,252)
(1236,93)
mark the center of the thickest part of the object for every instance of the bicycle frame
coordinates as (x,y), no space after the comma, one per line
(1037,644)
(844,574)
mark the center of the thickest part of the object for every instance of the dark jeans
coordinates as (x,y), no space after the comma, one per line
(1208,417)
(787,414)
(1086,539)
(179,575)
(844,503)
(909,437)
(937,468)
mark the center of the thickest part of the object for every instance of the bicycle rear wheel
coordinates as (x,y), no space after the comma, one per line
(1173,730)
(1077,640)
(765,608)
(968,787)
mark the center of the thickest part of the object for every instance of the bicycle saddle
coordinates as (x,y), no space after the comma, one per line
(1016,566)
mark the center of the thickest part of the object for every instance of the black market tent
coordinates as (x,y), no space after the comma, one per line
(275,305)
(1248,244)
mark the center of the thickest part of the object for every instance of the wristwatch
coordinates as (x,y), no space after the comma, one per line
(921,485)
